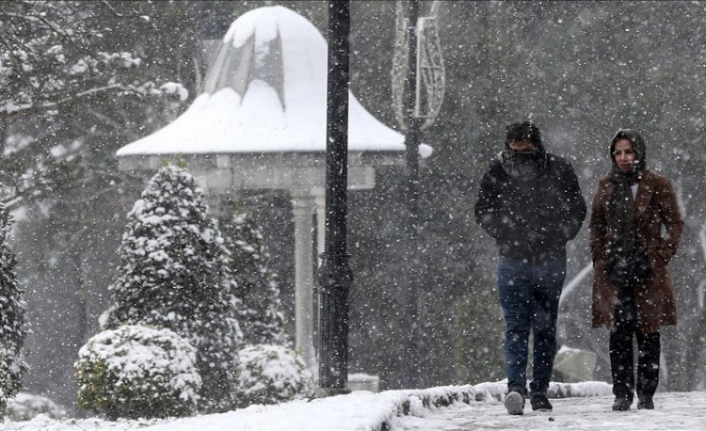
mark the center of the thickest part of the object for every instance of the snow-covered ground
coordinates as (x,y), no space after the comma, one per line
(446,408)
(673,411)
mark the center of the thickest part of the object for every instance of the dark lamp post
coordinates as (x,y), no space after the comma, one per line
(418,81)
(411,277)
(335,276)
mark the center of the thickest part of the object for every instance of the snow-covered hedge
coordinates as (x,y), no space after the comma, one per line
(271,374)
(138,372)
(26,406)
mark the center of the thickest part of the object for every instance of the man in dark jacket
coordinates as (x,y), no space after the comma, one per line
(531,203)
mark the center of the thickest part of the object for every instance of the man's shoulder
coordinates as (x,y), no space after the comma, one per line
(559,161)
(560,166)
(495,164)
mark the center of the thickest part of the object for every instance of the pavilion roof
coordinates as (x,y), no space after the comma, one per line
(266,92)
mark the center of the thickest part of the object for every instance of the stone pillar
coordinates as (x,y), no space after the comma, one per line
(303,206)
(214,204)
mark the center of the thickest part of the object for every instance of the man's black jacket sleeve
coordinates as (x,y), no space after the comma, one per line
(575,201)
(486,208)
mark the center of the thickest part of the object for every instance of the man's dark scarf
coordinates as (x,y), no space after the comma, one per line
(524,165)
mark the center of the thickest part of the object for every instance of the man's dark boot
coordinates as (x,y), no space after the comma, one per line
(645,403)
(540,402)
(621,404)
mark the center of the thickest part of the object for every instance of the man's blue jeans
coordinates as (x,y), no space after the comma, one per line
(529,295)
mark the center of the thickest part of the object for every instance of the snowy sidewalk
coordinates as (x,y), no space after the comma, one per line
(452,408)
(673,411)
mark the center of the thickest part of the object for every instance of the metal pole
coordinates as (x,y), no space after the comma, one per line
(335,276)
(411,363)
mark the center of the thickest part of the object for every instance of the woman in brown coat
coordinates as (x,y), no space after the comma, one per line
(632,291)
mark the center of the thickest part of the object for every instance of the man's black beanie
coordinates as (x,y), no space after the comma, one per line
(526,131)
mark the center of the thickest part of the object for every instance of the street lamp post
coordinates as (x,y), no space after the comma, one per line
(335,275)
(412,139)
(418,78)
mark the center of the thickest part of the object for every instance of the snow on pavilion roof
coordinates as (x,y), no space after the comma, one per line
(266,92)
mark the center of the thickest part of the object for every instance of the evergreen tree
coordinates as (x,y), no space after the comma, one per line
(12,328)
(260,314)
(175,274)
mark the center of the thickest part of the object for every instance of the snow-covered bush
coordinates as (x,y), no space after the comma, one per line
(175,274)
(138,372)
(260,312)
(272,374)
(12,319)
(26,406)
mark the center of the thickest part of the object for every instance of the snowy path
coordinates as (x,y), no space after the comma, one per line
(366,411)
(673,411)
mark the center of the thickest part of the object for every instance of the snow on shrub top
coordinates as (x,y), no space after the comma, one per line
(272,374)
(137,352)
(276,364)
(25,406)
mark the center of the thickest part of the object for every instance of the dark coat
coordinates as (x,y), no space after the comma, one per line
(655,206)
(533,219)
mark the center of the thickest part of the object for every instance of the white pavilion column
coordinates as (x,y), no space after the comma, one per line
(302,207)
(214,203)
